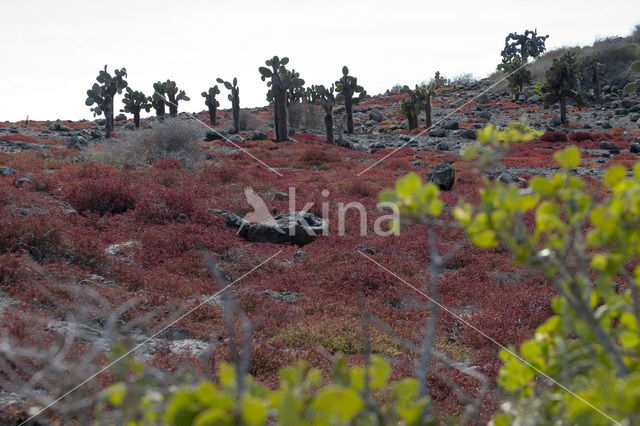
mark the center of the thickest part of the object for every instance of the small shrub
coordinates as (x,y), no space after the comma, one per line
(463,79)
(554,137)
(100,192)
(171,138)
(581,136)
(164,206)
(243,119)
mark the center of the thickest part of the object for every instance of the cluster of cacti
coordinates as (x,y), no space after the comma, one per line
(296,93)
(410,106)
(211,102)
(527,45)
(103,94)
(158,100)
(517,75)
(324,97)
(518,48)
(234,97)
(634,85)
(347,87)
(174,96)
(281,81)
(563,83)
(424,94)
(134,102)
(439,80)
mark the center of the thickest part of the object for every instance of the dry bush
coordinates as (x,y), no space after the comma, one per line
(171,138)
(243,119)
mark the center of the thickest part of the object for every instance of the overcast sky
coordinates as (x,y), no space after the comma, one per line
(52,50)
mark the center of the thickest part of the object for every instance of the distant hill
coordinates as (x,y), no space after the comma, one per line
(616,55)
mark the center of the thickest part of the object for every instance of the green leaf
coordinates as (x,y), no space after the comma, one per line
(614,175)
(116,393)
(254,410)
(337,402)
(635,66)
(408,185)
(568,158)
(485,239)
(630,88)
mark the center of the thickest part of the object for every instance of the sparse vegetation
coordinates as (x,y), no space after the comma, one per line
(134,103)
(212,103)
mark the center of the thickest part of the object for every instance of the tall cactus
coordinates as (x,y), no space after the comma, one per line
(158,99)
(325,97)
(234,97)
(526,45)
(103,95)
(563,83)
(295,93)
(518,48)
(410,106)
(174,96)
(347,87)
(211,102)
(424,94)
(281,80)
(596,73)
(134,102)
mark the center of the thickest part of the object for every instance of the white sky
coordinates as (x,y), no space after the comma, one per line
(52,50)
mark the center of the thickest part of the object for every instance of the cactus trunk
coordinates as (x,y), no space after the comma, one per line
(236,117)
(212,115)
(280,113)
(348,106)
(328,123)
(173,106)
(136,119)
(108,115)
(412,120)
(427,112)
(563,109)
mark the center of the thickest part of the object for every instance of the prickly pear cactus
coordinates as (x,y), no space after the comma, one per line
(281,81)
(103,93)
(234,97)
(174,95)
(134,102)
(158,99)
(347,87)
(325,97)
(211,102)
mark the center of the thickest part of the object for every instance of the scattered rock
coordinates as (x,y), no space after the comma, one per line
(438,133)
(451,125)
(443,175)
(483,99)
(77,142)
(175,334)
(120,117)
(634,147)
(467,134)
(442,146)
(286,296)
(22,179)
(298,228)
(6,171)
(376,115)
(299,254)
(609,146)
(258,136)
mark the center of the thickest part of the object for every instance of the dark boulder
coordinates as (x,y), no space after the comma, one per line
(443,175)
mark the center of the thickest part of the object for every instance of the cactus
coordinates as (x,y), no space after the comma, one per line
(439,80)
(158,99)
(347,86)
(595,68)
(517,75)
(518,48)
(634,85)
(562,83)
(134,102)
(234,97)
(525,45)
(174,96)
(424,94)
(103,95)
(281,81)
(410,106)
(295,93)
(325,97)
(211,102)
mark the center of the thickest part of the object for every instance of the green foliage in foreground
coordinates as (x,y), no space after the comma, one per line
(583,364)
(302,398)
(634,85)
